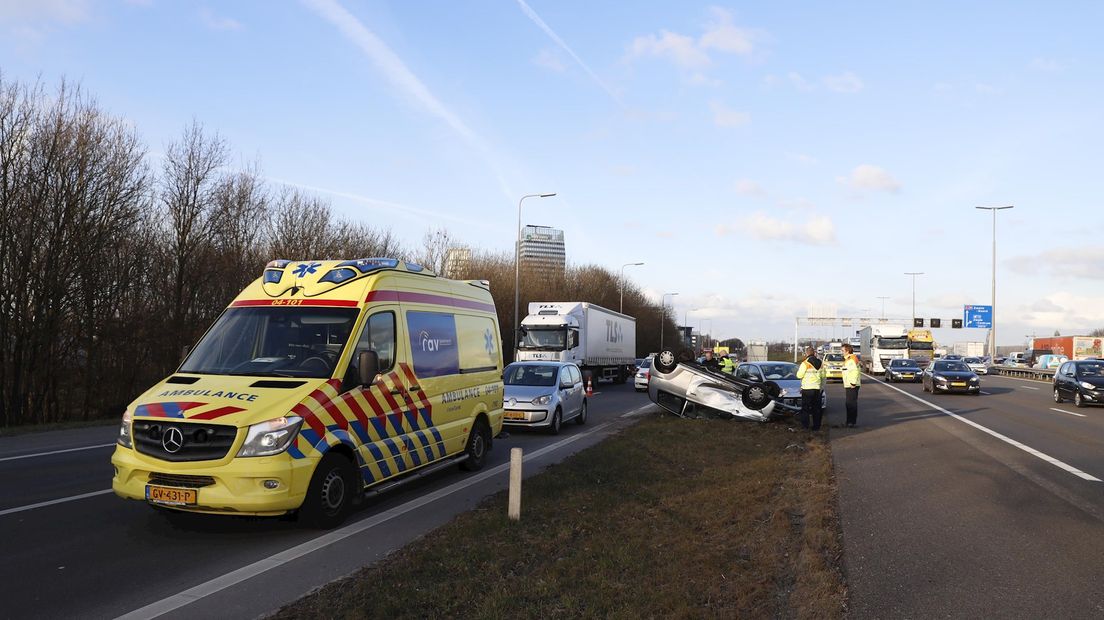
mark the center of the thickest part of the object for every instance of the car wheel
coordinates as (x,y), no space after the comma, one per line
(1057,396)
(1078,399)
(554,427)
(331,492)
(479,443)
(582,417)
(665,361)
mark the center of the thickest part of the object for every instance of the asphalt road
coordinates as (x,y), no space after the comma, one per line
(73,549)
(971,506)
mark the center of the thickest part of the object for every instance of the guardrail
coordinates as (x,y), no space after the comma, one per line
(1038,374)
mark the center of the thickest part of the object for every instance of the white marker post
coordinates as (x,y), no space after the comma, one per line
(513,509)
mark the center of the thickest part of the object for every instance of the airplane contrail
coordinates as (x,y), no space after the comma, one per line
(395,70)
(536,19)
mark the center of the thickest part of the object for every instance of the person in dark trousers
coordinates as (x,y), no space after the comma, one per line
(711,363)
(811,371)
(851,380)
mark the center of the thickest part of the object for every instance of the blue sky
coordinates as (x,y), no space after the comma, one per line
(764,160)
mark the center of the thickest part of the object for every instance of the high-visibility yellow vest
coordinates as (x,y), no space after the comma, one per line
(852,377)
(727,365)
(811,378)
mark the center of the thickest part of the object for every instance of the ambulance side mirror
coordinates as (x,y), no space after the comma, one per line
(368,365)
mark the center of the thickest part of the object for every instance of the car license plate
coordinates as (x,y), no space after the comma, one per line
(908,375)
(171,496)
(958,384)
(515,415)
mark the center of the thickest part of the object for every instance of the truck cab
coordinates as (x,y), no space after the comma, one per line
(600,341)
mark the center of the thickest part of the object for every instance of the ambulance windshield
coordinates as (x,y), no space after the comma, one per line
(276,341)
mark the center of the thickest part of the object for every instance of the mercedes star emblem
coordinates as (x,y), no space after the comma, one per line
(173,440)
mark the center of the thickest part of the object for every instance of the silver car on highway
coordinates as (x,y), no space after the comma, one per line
(689,389)
(543,395)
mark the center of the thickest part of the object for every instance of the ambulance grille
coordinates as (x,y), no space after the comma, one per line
(181,480)
(198,442)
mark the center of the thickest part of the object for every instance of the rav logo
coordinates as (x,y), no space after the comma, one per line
(429,344)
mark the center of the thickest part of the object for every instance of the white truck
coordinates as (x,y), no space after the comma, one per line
(880,343)
(600,341)
(968,349)
(757,352)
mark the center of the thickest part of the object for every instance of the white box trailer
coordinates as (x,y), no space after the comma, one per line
(602,342)
(757,352)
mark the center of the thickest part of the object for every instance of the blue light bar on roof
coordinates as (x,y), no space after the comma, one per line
(273,276)
(277,264)
(364,265)
(338,276)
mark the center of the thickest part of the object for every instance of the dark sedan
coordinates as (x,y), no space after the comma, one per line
(1080,381)
(903,370)
(950,376)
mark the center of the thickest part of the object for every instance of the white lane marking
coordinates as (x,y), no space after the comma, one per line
(1080,415)
(235,577)
(986,393)
(1012,442)
(916,417)
(637,411)
(62,500)
(1028,387)
(31,456)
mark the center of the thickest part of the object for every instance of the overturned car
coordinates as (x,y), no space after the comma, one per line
(691,390)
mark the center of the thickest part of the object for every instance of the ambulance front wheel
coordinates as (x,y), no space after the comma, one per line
(331,493)
(479,442)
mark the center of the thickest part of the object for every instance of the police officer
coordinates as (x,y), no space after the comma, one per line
(727,365)
(851,380)
(811,371)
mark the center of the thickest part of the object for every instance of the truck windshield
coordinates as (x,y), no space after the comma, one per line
(273,341)
(550,338)
(884,342)
(920,346)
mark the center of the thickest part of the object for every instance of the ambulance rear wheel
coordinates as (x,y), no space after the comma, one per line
(331,492)
(479,442)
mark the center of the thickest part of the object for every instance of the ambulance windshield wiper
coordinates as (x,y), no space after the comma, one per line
(270,373)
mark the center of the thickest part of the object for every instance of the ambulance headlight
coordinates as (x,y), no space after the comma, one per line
(270,437)
(124,438)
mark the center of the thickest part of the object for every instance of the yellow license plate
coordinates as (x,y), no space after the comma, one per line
(515,415)
(958,384)
(171,496)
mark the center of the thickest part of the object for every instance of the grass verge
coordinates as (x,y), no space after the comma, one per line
(671,518)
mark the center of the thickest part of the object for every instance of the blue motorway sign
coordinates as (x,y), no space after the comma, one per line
(978,316)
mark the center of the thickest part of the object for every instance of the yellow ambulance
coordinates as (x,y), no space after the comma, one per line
(320,380)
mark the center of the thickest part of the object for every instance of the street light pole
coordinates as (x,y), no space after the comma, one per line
(517,268)
(621,307)
(913,274)
(885,298)
(663,317)
(993,308)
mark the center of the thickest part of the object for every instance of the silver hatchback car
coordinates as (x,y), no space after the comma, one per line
(543,395)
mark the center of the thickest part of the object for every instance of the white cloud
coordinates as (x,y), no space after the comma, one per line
(803,158)
(747,187)
(869,177)
(1067,312)
(1046,65)
(403,79)
(724,116)
(799,82)
(719,35)
(536,19)
(723,36)
(1084,263)
(1045,305)
(678,48)
(846,82)
(549,60)
(216,22)
(18,12)
(815,230)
